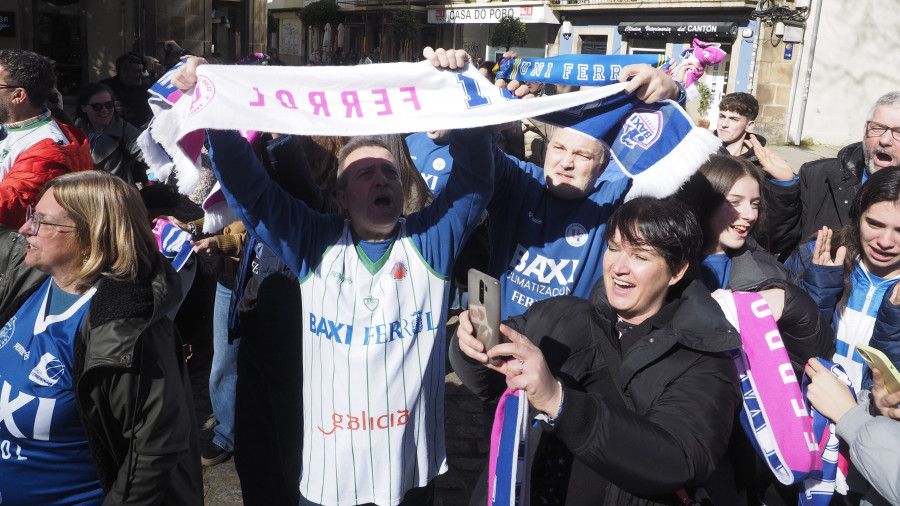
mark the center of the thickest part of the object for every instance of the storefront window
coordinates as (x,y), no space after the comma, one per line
(58,36)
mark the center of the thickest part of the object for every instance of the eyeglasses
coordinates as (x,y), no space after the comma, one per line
(99,106)
(36,221)
(8,86)
(874,129)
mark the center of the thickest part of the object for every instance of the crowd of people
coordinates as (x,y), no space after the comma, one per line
(323,309)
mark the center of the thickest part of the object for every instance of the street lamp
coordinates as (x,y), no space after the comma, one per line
(566,29)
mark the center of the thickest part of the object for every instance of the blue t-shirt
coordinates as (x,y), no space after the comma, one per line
(715,271)
(542,245)
(44,453)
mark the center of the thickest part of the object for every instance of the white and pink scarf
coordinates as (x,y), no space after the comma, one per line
(797,447)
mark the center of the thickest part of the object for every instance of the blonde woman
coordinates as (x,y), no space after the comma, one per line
(98,406)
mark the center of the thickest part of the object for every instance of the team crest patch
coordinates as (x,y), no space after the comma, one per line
(576,235)
(370,302)
(48,371)
(398,271)
(203,94)
(439,164)
(642,128)
(8,330)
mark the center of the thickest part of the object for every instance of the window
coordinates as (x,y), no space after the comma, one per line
(593,44)
(646,46)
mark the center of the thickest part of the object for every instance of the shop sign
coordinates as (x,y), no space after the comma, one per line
(475,14)
(7,24)
(692,29)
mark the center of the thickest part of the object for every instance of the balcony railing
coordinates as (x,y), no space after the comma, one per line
(349,4)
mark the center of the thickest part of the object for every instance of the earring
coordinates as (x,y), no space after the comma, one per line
(85,259)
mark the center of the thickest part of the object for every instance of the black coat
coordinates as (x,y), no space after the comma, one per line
(131,382)
(117,151)
(827,188)
(805,331)
(675,370)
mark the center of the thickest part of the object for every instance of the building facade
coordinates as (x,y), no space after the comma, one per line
(84,37)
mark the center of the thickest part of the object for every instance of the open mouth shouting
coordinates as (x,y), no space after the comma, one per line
(882,157)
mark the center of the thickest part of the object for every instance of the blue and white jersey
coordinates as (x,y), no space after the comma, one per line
(544,246)
(375,332)
(432,160)
(373,371)
(855,323)
(44,453)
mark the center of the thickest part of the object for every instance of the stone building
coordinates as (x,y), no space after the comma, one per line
(84,37)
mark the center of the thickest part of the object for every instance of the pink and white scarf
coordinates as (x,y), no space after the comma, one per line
(774,416)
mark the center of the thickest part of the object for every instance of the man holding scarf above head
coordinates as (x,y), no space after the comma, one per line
(374,289)
(547,222)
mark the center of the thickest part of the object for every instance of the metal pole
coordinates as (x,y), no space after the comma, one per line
(812,52)
(755,58)
(794,79)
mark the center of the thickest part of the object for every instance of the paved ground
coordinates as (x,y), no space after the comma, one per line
(797,156)
(463,413)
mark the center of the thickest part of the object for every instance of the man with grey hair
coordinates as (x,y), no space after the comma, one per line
(827,186)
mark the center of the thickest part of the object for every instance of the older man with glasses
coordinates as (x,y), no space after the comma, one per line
(827,186)
(34,147)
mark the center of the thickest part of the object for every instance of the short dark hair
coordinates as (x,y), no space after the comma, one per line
(667,225)
(89,90)
(742,103)
(128,59)
(30,71)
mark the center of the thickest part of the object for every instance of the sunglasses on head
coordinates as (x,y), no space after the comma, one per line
(102,105)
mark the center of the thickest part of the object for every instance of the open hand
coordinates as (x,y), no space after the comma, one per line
(207,247)
(773,164)
(822,249)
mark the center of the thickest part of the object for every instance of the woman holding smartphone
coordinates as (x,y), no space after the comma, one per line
(635,388)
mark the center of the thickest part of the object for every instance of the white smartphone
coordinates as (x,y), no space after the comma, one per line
(484,309)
